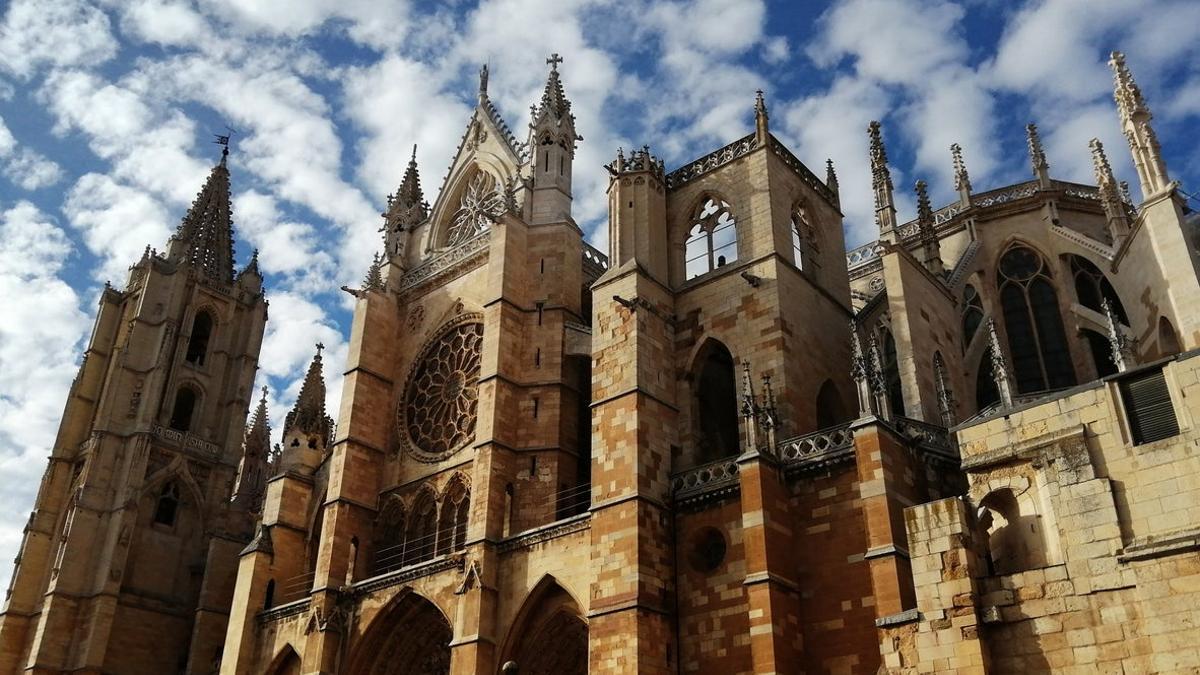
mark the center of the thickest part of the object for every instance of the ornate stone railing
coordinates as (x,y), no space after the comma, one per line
(1005,195)
(713,160)
(453,561)
(538,535)
(806,175)
(444,261)
(820,447)
(185,440)
(706,482)
(862,255)
(925,435)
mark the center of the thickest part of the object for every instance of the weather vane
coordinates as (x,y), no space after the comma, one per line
(223,140)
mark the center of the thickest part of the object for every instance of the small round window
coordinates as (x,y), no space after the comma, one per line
(707,550)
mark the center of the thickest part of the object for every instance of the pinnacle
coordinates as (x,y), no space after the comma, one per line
(308,415)
(924,209)
(207,229)
(554,100)
(258,434)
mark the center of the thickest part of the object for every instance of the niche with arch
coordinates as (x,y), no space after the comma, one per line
(201,334)
(831,410)
(184,409)
(715,407)
(1015,531)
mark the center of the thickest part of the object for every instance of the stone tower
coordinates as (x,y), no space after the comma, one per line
(129,556)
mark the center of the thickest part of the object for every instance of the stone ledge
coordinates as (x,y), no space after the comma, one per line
(1159,545)
(559,528)
(907,616)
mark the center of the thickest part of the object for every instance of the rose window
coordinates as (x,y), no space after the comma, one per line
(437,416)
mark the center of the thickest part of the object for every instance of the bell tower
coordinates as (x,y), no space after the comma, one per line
(133,538)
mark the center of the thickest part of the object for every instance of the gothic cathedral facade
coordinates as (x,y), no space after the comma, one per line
(727,446)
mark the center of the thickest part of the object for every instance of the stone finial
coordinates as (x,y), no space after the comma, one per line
(962,181)
(1000,374)
(1110,193)
(769,415)
(859,370)
(1123,355)
(1126,92)
(944,393)
(881,184)
(483,82)
(1037,155)
(749,408)
(831,179)
(930,245)
(760,118)
(374,278)
(1135,122)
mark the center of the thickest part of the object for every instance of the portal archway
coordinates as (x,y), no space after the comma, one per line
(550,635)
(411,637)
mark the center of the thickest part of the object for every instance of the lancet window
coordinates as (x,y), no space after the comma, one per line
(422,530)
(452,531)
(197,348)
(972,314)
(804,240)
(1036,338)
(181,412)
(167,506)
(712,239)
(1092,288)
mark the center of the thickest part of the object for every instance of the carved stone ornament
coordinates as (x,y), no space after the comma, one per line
(437,414)
(482,203)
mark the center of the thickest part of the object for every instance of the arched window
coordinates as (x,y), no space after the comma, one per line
(1041,359)
(804,239)
(1168,341)
(452,532)
(1092,288)
(712,239)
(269,600)
(985,387)
(891,373)
(830,410)
(716,416)
(197,347)
(389,546)
(181,413)
(482,201)
(422,530)
(167,506)
(972,314)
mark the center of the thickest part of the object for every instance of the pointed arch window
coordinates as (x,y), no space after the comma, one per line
(972,314)
(167,506)
(985,387)
(716,404)
(891,373)
(182,411)
(1092,288)
(422,530)
(1036,338)
(453,528)
(197,347)
(712,239)
(481,204)
(804,237)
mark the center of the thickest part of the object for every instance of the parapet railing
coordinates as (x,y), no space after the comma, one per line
(706,480)
(925,435)
(817,448)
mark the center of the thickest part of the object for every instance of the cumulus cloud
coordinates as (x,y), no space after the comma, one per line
(25,167)
(39,342)
(116,221)
(291,249)
(60,33)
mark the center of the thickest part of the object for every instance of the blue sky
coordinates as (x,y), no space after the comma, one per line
(107,111)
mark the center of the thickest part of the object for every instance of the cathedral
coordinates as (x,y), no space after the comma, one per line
(726,445)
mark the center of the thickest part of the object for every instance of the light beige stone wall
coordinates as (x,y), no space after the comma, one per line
(1074,550)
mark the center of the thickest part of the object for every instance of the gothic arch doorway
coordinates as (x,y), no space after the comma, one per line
(286,663)
(549,635)
(411,637)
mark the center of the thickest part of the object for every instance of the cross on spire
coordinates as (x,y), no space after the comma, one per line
(554,60)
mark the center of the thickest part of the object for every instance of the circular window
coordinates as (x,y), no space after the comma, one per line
(707,550)
(437,414)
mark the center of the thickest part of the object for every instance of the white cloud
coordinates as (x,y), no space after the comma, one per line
(59,33)
(117,222)
(31,170)
(288,248)
(39,342)
(377,24)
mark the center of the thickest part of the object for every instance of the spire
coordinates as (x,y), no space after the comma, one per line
(1123,356)
(1037,156)
(962,182)
(881,183)
(760,118)
(250,485)
(554,106)
(931,252)
(859,370)
(1135,123)
(831,179)
(373,281)
(205,235)
(406,209)
(1110,194)
(308,415)
(1000,374)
